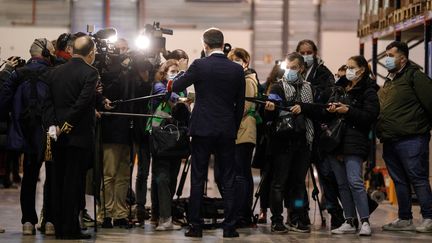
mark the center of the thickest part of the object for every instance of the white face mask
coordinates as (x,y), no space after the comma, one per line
(351,74)
(172,76)
(309,59)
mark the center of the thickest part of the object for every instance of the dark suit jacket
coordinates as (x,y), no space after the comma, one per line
(219,99)
(73,94)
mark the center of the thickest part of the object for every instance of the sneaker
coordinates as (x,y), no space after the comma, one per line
(345,228)
(278,228)
(2,230)
(49,229)
(81,220)
(400,225)
(28,229)
(299,227)
(365,229)
(87,220)
(166,224)
(425,226)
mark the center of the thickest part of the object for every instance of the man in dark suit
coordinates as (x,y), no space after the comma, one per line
(72,107)
(219,103)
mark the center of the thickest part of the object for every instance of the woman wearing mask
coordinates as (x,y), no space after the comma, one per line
(289,149)
(246,140)
(359,108)
(164,170)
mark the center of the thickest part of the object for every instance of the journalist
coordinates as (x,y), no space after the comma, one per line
(355,109)
(245,142)
(290,148)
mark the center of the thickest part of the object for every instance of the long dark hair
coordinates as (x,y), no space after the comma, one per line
(362,63)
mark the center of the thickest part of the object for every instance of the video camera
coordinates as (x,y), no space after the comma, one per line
(151,41)
(104,40)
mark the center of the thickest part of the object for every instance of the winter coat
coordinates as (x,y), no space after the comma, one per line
(247,131)
(406,104)
(362,114)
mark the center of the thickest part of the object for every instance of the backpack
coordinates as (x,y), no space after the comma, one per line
(30,116)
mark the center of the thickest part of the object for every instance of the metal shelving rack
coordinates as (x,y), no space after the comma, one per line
(415,30)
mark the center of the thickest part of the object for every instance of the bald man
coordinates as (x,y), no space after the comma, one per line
(70,116)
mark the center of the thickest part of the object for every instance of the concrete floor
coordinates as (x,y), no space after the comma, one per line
(10,216)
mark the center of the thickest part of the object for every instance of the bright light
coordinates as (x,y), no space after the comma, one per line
(283,65)
(112,39)
(142,42)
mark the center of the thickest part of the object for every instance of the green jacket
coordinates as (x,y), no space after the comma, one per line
(406,104)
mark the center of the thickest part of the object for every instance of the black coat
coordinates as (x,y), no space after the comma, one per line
(127,85)
(322,81)
(72,100)
(362,114)
(219,101)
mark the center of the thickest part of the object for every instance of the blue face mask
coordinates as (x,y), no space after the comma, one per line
(390,63)
(309,59)
(291,75)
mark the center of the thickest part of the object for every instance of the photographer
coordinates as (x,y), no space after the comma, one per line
(125,80)
(23,93)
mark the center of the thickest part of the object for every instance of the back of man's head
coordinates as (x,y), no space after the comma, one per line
(83,46)
(214,38)
(38,45)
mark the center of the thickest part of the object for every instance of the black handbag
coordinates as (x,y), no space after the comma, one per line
(170,141)
(332,135)
(289,123)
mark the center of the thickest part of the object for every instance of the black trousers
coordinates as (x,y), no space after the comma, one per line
(289,171)
(164,182)
(28,188)
(70,165)
(224,151)
(243,180)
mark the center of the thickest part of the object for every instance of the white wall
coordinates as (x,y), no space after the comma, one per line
(337,47)
(16,41)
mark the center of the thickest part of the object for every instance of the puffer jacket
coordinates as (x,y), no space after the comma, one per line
(362,114)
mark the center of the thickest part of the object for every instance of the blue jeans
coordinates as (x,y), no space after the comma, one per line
(351,187)
(407,161)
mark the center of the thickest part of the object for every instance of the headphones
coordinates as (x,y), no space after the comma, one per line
(43,44)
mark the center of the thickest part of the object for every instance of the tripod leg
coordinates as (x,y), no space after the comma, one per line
(315,193)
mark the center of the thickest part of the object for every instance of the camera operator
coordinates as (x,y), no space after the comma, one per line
(116,150)
(23,94)
(117,137)
(64,48)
